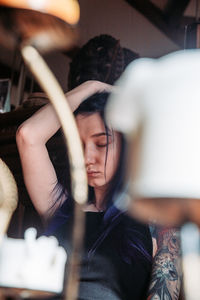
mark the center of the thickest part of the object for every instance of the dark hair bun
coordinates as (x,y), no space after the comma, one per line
(101,58)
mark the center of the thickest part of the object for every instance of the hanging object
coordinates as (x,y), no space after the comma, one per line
(157,107)
(42,23)
(66,10)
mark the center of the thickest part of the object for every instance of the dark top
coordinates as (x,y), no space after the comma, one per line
(109,274)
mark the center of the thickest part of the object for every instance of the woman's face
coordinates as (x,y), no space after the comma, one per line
(95,142)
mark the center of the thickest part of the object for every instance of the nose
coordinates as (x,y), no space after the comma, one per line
(90,156)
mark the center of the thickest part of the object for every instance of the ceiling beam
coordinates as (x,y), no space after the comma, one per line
(174,11)
(162,20)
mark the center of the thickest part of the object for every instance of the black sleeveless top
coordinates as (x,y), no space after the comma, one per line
(108,274)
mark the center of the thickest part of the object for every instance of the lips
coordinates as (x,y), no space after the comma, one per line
(92,173)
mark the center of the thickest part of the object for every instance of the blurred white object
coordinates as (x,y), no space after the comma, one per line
(158,108)
(190,242)
(36,264)
(159,103)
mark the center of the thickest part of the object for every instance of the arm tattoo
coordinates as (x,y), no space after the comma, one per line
(166,269)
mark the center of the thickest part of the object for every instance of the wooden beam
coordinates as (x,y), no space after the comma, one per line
(174,11)
(157,17)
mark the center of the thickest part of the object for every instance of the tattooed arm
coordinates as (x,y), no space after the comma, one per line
(166,270)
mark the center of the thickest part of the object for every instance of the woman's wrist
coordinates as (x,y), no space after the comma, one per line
(102,87)
(76,96)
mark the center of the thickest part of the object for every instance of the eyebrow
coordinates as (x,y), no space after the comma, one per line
(101,134)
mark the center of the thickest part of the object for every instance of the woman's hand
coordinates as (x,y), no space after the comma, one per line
(101,86)
(76,96)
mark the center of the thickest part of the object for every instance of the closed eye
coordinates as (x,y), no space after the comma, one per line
(103,140)
(102,145)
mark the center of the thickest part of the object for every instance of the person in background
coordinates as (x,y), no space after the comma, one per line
(117,255)
(102,58)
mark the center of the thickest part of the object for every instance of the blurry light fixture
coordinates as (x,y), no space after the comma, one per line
(158,108)
(45,24)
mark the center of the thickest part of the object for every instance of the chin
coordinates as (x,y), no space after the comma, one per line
(95,183)
(92,184)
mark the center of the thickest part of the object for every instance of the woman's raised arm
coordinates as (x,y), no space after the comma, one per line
(32,135)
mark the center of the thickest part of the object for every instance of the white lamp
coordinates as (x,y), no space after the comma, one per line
(158,108)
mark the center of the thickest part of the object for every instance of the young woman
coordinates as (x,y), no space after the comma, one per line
(116,263)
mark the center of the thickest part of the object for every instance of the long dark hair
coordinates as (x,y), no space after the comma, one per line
(96,104)
(112,216)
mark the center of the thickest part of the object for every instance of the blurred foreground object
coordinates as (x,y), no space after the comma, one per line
(190,244)
(79,185)
(8,198)
(41,23)
(158,108)
(32,265)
